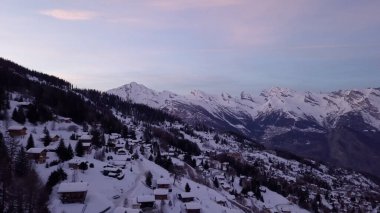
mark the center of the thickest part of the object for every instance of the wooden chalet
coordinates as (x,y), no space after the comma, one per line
(55,138)
(126,210)
(87,147)
(161,194)
(73,192)
(85,138)
(186,197)
(37,154)
(164,183)
(64,120)
(146,201)
(17,131)
(192,207)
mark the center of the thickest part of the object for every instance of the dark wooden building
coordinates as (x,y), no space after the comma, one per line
(186,197)
(73,192)
(164,183)
(161,194)
(192,207)
(17,131)
(37,154)
(146,201)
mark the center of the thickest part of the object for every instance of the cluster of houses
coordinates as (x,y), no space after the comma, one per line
(162,192)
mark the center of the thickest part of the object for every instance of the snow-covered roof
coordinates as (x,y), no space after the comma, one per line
(164,181)
(111,169)
(220,199)
(35,150)
(220,177)
(76,160)
(86,144)
(145,198)
(120,157)
(16,127)
(23,103)
(192,205)
(85,137)
(187,195)
(161,192)
(126,210)
(122,151)
(73,187)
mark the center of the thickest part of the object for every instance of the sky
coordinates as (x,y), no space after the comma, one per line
(211,45)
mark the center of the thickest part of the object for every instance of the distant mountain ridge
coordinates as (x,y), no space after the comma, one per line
(307,123)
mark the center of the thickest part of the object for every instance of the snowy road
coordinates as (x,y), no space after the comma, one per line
(123,200)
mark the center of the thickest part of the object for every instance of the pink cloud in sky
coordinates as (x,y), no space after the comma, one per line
(70,15)
(193,4)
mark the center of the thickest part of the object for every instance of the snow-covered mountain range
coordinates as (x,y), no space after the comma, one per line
(308,123)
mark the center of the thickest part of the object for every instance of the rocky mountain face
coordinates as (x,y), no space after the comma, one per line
(339,127)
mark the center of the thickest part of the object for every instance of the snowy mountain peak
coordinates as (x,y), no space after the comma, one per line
(225,96)
(278,92)
(246,96)
(323,108)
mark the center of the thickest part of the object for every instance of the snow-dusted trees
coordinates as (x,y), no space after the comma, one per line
(55,177)
(64,153)
(83,166)
(187,187)
(97,140)
(21,164)
(79,149)
(47,139)
(148,178)
(21,189)
(70,152)
(18,115)
(30,143)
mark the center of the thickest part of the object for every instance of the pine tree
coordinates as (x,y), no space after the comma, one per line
(5,171)
(187,187)
(96,140)
(21,116)
(47,138)
(32,114)
(70,152)
(56,177)
(30,143)
(3,147)
(15,114)
(216,183)
(206,166)
(21,163)
(83,166)
(148,178)
(73,137)
(79,150)
(62,151)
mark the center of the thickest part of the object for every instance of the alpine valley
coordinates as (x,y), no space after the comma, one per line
(341,128)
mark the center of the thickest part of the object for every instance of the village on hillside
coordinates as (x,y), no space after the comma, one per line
(159,168)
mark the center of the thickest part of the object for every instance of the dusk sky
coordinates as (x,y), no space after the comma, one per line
(211,45)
